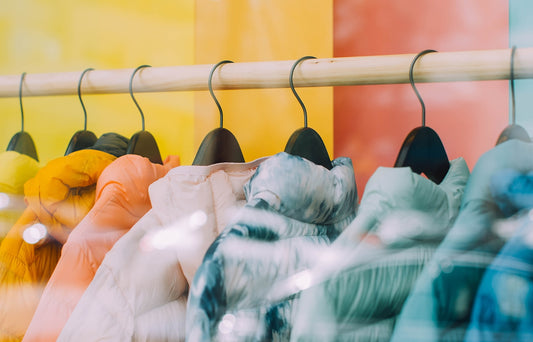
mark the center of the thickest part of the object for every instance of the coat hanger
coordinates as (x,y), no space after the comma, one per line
(22,141)
(143,142)
(513,131)
(219,145)
(306,142)
(422,150)
(81,139)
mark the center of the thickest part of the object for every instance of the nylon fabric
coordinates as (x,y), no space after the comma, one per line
(121,200)
(58,197)
(294,209)
(365,276)
(140,290)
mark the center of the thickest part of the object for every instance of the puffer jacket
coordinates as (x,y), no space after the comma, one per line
(15,170)
(503,309)
(362,284)
(294,209)
(139,292)
(440,304)
(121,200)
(57,199)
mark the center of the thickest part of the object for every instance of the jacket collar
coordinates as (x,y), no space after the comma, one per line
(408,201)
(299,189)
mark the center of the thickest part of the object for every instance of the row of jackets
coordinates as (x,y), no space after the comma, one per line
(278,249)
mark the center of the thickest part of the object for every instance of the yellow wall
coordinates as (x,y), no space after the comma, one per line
(260,30)
(60,35)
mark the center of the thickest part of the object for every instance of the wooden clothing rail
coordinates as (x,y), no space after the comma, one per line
(479,65)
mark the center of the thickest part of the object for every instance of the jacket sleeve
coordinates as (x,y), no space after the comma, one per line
(165,323)
(129,283)
(24,269)
(68,282)
(240,272)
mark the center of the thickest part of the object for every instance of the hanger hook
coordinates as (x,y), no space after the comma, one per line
(210,86)
(511,84)
(79,96)
(20,101)
(411,80)
(291,83)
(131,91)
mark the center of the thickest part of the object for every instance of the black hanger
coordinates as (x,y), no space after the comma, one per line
(513,131)
(306,142)
(143,142)
(422,150)
(219,145)
(22,141)
(81,139)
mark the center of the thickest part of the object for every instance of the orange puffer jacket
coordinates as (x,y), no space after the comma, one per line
(121,200)
(57,199)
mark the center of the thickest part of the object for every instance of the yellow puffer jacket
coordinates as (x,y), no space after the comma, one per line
(57,199)
(15,170)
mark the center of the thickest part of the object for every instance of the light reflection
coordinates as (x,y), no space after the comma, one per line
(181,233)
(34,233)
(506,228)
(4,200)
(302,280)
(446,265)
(198,219)
(226,324)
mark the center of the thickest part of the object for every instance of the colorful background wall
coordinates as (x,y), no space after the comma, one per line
(366,123)
(371,122)
(56,36)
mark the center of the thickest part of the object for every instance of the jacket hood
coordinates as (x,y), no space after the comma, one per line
(63,191)
(15,169)
(299,189)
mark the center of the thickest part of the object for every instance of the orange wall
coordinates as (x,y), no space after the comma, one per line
(371,122)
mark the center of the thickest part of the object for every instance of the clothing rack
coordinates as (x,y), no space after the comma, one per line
(481,65)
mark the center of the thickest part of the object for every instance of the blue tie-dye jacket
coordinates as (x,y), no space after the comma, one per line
(294,209)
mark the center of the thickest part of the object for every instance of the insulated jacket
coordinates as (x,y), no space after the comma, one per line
(57,199)
(139,292)
(440,304)
(15,169)
(361,285)
(503,308)
(121,200)
(294,209)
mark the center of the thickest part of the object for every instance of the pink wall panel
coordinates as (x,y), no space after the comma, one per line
(371,122)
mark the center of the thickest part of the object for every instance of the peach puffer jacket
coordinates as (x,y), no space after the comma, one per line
(121,200)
